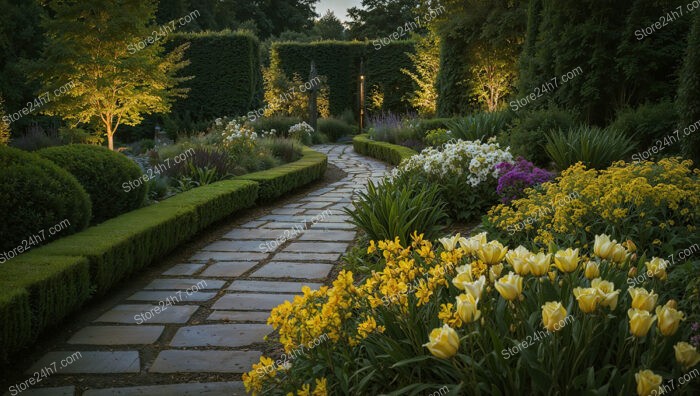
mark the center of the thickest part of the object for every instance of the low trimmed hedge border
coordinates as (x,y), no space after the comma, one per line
(382,151)
(41,287)
(278,181)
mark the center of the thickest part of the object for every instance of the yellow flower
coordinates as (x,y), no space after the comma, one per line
(640,321)
(630,246)
(518,260)
(473,244)
(642,299)
(686,355)
(492,253)
(553,313)
(618,254)
(444,342)
(475,288)
(510,286)
(607,292)
(587,298)
(567,260)
(538,264)
(495,272)
(320,389)
(552,276)
(450,244)
(462,278)
(668,319)
(365,328)
(372,248)
(648,383)
(592,270)
(657,268)
(603,246)
(466,308)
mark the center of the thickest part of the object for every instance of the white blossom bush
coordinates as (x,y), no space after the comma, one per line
(301,131)
(465,170)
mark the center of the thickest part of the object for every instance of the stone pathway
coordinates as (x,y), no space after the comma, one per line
(207,315)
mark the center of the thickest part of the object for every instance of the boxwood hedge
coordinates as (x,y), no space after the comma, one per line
(382,151)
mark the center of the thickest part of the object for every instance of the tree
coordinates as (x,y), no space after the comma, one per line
(689,93)
(21,37)
(380,18)
(329,27)
(102,66)
(426,61)
(4,125)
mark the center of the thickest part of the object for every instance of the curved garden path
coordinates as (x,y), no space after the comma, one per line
(215,331)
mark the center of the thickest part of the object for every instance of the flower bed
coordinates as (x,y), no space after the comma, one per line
(476,317)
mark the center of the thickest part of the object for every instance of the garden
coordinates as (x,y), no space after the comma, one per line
(535,231)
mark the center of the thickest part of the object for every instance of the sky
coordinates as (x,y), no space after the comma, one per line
(339,7)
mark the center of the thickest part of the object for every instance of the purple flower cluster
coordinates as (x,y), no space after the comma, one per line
(516,177)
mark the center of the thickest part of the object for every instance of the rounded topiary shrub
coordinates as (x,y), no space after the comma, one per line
(36,197)
(115,183)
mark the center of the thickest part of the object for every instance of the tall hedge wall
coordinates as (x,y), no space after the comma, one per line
(340,62)
(227,75)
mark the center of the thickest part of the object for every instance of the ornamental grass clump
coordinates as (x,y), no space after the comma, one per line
(652,203)
(465,171)
(478,317)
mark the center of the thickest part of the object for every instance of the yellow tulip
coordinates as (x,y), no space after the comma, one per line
(461,279)
(473,244)
(518,260)
(553,314)
(640,321)
(642,299)
(539,263)
(630,246)
(657,268)
(588,298)
(475,288)
(495,272)
(552,276)
(648,383)
(686,355)
(466,308)
(592,270)
(567,260)
(607,292)
(450,244)
(603,246)
(618,254)
(668,319)
(510,286)
(444,342)
(492,253)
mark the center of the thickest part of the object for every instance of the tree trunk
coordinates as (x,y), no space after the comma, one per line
(110,136)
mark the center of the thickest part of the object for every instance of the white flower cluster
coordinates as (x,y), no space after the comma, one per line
(301,130)
(235,130)
(475,159)
(269,134)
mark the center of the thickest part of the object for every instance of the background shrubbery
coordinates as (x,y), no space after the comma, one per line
(102,173)
(35,194)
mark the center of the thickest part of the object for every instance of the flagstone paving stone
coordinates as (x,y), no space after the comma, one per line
(148,313)
(90,362)
(293,270)
(250,301)
(220,335)
(270,287)
(191,361)
(234,388)
(117,335)
(240,316)
(218,328)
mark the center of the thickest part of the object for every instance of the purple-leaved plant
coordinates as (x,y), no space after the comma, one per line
(516,177)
